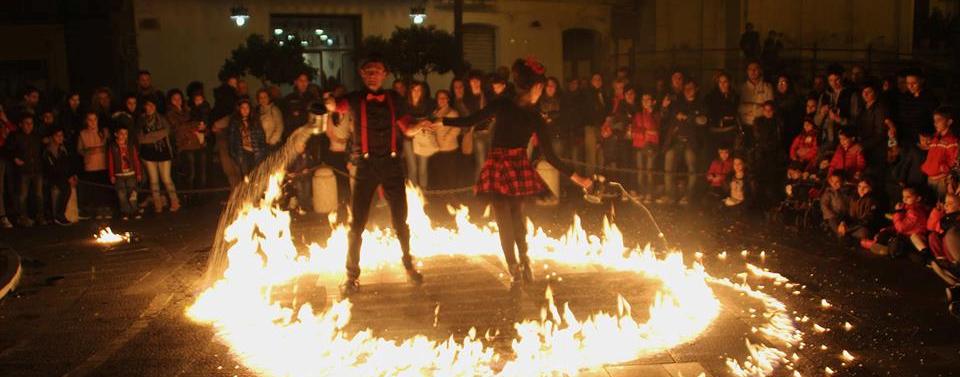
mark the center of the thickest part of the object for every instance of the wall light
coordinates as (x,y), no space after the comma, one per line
(240,15)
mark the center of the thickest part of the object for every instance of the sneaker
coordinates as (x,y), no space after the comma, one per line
(107,217)
(83,217)
(349,287)
(125,218)
(62,222)
(98,217)
(5,223)
(138,216)
(684,201)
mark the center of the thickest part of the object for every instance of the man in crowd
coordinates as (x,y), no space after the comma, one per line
(297,104)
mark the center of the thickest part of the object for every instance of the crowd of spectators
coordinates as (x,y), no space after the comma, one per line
(872,161)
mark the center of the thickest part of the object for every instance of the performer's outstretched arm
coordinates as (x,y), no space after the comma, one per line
(480,118)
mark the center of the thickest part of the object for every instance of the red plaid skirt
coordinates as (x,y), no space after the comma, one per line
(508,172)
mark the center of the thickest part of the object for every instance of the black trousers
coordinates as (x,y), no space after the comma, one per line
(371,173)
(508,212)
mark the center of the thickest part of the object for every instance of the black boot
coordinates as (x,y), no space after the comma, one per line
(413,275)
(349,287)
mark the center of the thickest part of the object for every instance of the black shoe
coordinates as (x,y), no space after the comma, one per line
(349,287)
(415,276)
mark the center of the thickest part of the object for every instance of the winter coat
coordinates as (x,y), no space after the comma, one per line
(850,160)
(184,130)
(257,138)
(833,204)
(942,155)
(863,211)
(58,164)
(154,138)
(271,120)
(911,220)
(804,149)
(645,131)
(29,149)
(115,164)
(720,169)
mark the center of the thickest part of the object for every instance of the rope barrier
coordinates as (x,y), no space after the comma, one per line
(458,190)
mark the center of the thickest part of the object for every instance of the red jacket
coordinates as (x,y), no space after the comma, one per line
(942,155)
(114,163)
(721,169)
(850,161)
(646,130)
(911,220)
(804,149)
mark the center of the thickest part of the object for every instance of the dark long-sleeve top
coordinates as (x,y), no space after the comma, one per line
(515,126)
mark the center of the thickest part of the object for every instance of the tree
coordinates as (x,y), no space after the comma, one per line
(415,50)
(267,60)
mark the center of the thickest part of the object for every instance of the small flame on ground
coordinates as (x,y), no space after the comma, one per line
(107,236)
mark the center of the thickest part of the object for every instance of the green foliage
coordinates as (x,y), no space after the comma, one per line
(267,60)
(415,50)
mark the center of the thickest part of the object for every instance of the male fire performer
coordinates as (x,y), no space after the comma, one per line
(379,126)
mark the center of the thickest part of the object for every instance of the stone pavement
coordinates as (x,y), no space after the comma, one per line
(84,310)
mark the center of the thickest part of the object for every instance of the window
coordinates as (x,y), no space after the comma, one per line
(480,46)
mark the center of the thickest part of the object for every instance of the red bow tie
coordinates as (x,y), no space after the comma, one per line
(376,97)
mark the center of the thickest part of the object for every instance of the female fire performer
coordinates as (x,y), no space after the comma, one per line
(507,175)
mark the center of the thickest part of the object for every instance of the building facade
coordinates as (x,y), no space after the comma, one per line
(180,40)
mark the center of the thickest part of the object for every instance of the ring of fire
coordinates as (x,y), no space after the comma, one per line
(272,339)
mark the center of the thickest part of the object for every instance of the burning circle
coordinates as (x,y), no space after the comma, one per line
(272,339)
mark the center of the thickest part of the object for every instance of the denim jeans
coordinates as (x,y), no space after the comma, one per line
(671,162)
(410,161)
(160,171)
(30,183)
(590,135)
(422,166)
(193,168)
(481,145)
(59,195)
(646,158)
(125,186)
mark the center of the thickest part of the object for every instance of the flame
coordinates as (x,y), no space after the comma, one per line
(107,236)
(278,340)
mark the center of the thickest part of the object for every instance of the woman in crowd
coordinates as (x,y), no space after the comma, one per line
(722,106)
(458,90)
(446,158)
(156,151)
(271,119)
(92,145)
(247,142)
(790,108)
(187,137)
(507,175)
(420,107)
(479,138)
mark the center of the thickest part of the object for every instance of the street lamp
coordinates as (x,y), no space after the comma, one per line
(240,15)
(418,14)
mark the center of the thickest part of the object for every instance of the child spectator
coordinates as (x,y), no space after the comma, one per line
(905,161)
(943,237)
(805,147)
(125,173)
(848,160)
(719,172)
(645,134)
(61,174)
(862,217)
(833,203)
(27,151)
(741,188)
(942,155)
(909,219)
